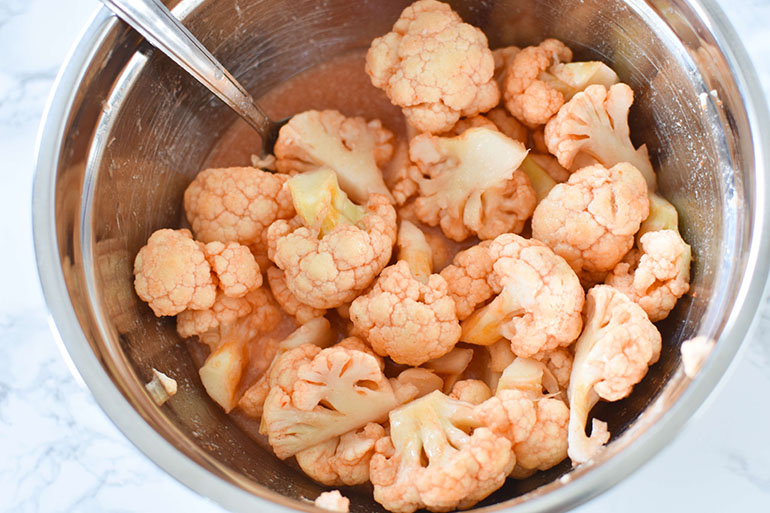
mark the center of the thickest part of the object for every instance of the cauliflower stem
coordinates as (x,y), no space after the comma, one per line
(320,202)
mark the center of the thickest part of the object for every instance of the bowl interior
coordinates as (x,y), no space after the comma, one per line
(141,129)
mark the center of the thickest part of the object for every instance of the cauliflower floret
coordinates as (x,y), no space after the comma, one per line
(467,278)
(171,273)
(434,66)
(415,382)
(539,302)
(591,219)
(657,276)
(235,267)
(355,243)
(290,304)
(508,125)
(343,460)
(559,363)
(593,127)
(451,366)
(464,179)
(236,204)
(503,58)
(551,166)
(534,422)
(408,314)
(473,391)
(694,353)
(226,310)
(354,148)
(612,355)
(313,399)
(333,501)
(527,97)
(438,457)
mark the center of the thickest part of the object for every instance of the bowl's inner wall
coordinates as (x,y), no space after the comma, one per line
(158,125)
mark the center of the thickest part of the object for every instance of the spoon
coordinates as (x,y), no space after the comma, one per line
(156,23)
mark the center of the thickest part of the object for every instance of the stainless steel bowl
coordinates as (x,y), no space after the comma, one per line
(126,131)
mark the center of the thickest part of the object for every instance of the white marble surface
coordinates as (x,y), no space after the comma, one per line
(60,453)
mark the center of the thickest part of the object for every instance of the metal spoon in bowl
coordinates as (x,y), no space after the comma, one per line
(154,21)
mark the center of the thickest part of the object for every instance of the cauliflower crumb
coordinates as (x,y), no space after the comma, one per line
(172,274)
(694,353)
(434,66)
(333,501)
(161,387)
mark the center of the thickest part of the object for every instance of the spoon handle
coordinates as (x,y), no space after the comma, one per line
(156,23)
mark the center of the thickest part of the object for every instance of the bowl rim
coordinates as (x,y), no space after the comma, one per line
(86,367)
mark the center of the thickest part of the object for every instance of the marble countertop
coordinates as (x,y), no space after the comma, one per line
(60,453)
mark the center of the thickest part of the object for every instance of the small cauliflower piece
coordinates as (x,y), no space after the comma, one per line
(471,391)
(234,266)
(694,353)
(333,501)
(559,363)
(354,148)
(222,371)
(290,304)
(657,276)
(161,387)
(508,125)
(593,127)
(344,460)
(531,100)
(612,355)
(318,395)
(438,457)
(236,204)
(171,274)
(467,278)
(434,66)
(470,184)
(591,219)
(340,249)
(408,314)
(538,303)
(503,58)
(534,421)
(415,382)
(451,366)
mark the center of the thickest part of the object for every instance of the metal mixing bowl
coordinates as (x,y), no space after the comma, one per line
(126,131)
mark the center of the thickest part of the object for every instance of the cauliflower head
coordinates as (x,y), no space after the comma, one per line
(344,460)
(334,269)
(316,395)
(593,127)
(438,457)
(234,266)
(171,273)
(612,355)
(434,66)
(658,275)
(591,219)
(354,148)
(524,412)
(470,184)
(467,278)
(236,204)
(539,299)
(290,304)
(531,100)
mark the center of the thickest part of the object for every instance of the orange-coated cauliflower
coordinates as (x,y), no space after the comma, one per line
(591,219)
(612,355)
(593,127)
(658,275)
(523,411)
(235,267)
(438,457)
(290,304)
(467,278)
(451,366)
(415,382)
(408,314)
(354,148)
(355,243)
(258,304)
(538,303)
(236,204)
(333,501)
(529,99)
(473,391)
(171,273)
(508,125)
(434,66)
(559,363)
(316,395)
(343,460)
(503,58)
(470,184)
